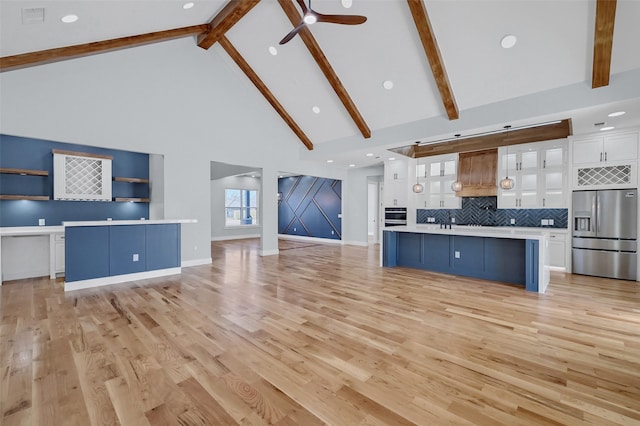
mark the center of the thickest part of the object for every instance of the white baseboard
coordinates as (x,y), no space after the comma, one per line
(234,237)
(269,252)
(195,262)
(117,279)
(310,239)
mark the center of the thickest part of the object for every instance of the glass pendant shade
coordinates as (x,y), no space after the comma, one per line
(456,186)
(506,183)
(418,188)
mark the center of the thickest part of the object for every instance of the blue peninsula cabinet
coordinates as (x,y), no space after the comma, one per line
(497,254)
(101,253)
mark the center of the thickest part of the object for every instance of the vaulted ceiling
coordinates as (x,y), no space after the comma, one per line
(449,73)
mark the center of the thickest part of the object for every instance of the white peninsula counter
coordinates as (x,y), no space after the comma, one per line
(513,255)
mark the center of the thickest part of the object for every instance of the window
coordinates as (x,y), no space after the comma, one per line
(241,207)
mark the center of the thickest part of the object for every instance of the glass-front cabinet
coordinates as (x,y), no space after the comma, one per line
(539,171)
(436,174)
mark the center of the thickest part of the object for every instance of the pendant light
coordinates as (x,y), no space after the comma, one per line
(456,186)
(507,183)
(418,187)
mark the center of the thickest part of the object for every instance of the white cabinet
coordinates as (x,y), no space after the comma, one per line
(539,171)
(605,149)
(436,174)
(558,250)
(605,161)
(396,185)
(59,253)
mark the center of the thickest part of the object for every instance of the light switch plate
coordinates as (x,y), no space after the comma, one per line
(136,257)
(453,220)
(550,221)
(457,255)
(513,221)
(40,222)
(544,222)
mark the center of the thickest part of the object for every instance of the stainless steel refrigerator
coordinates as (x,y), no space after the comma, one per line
(604,233)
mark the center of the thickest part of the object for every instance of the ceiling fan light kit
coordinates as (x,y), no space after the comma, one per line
(310,16)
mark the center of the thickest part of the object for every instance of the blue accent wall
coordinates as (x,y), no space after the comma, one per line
(27,153)
(310,206)
(484,211)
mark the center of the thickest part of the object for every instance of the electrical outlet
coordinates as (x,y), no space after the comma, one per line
(544,222)
(513,221)
(40,222)
(295,229)
(332,233)
(453,220)
(550,221)
(136,257)
(457,254)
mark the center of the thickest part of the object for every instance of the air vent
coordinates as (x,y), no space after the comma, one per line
(33,15)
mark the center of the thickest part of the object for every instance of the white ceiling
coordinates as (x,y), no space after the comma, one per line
(492,86)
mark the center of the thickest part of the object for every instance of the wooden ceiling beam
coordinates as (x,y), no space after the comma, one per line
(543,132)
(251,74)
(431,50)
(9,63)
(312,45)
(603,42)
(224,20)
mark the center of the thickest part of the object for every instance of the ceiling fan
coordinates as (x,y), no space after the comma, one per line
(309,16)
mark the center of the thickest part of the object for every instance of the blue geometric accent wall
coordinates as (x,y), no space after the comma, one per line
(484,211)
(27,153)
(310,206)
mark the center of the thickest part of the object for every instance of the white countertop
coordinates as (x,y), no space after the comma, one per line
(480,231)
(13,231)
(126,222)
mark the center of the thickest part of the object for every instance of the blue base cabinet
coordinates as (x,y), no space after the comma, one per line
(513,261)
(110,250)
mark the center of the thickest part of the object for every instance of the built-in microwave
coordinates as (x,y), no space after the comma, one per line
(395,216)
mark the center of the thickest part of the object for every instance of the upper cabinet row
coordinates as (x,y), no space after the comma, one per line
(539,171)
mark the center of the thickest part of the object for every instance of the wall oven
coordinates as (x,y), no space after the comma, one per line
(395,216)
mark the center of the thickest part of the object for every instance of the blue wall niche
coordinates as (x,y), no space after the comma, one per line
(310,206)
(35,154)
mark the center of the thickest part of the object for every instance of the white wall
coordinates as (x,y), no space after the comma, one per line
(355,204)
(170,98)
(218,230)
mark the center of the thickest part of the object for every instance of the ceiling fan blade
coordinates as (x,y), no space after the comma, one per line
(293,33)
(303,7)
(341,19)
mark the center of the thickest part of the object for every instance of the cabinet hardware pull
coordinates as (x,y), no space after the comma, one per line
(605,156)
(544,164)
(544,200)
(600,157)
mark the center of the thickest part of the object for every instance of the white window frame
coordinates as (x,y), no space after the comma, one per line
(242,208)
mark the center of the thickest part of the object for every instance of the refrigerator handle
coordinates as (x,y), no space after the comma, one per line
(597,214)
(593,227)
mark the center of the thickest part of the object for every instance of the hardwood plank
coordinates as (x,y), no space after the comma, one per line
(431,50)
(251,74)
(603,42)
(319,334)
(24,60)
(25,172)
(323,63)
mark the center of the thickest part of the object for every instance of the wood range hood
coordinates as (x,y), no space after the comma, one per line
(477,171)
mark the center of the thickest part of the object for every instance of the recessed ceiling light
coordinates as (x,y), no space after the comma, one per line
(329,161)
(188,5)
(352,165)
(273,50)
(607,128)
(316,110)
(508,41)
(370,154)
(68,19)
(387,84)
(392,158)
(617,114)
(347,3)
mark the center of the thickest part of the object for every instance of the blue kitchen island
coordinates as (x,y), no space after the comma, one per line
(516,256)
(108,252)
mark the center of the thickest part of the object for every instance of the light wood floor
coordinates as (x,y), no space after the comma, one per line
(319,334)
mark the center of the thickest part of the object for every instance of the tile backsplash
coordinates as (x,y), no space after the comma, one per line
(484,211)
